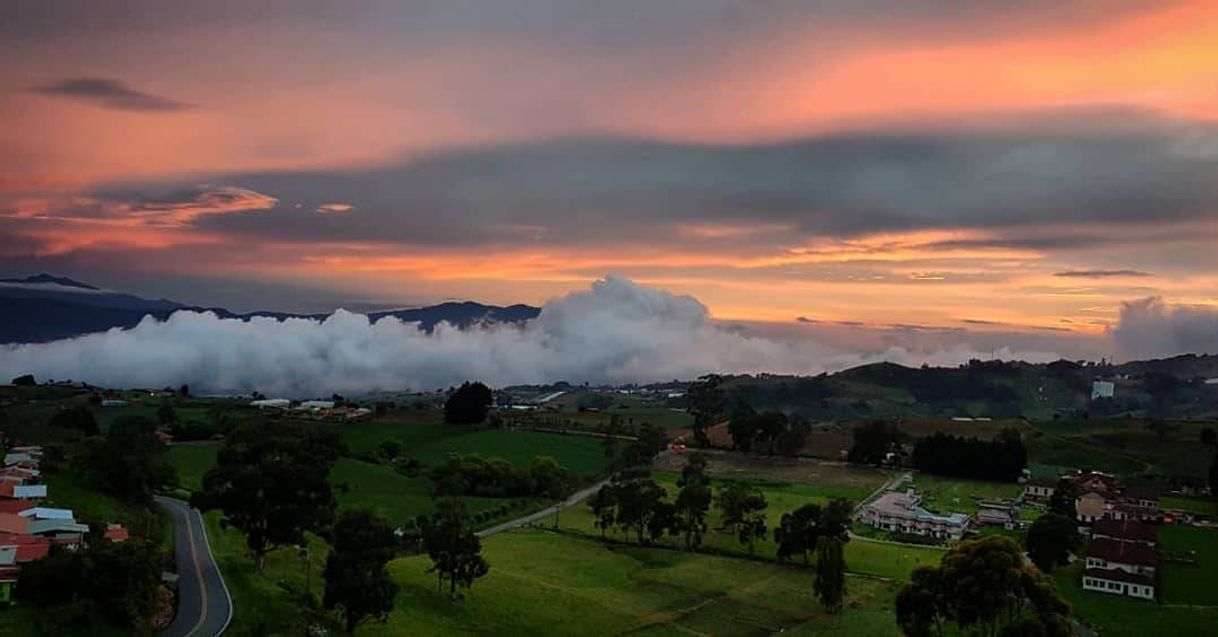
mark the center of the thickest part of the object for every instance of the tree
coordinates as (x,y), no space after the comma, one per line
(271,481)
(1064,496)
(741,426)
(469,404)
(604,507)
(693,499)
(1000,459)
(637,501)
(120,582)
(184,390)
(166,415)
(129,462)
(799,531)
(651,441)
(830,582)
(356,579)
(25,380)
(1209,437)
(744,512)
(390,448)
(1050,541)
(706,403)
(982,587)
(78,418)
(873,441)
(454,548)
(1213,476)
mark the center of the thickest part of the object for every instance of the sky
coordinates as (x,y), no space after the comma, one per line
(855,168)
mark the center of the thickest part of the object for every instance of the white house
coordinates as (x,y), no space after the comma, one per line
(902,512)
(1102,389)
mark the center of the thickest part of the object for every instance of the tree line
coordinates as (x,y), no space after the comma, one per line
(475,475)
(1000,459)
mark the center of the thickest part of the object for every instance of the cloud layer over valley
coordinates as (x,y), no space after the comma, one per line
(616,331)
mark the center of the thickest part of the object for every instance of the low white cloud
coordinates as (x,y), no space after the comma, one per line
(1151,327)
(616,331)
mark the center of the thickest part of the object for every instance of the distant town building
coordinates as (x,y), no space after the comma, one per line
(902,512)
(1102,389)
(998,513)
(1091,506)
(1039,489)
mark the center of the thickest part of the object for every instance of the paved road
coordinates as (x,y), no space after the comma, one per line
(204,607)
(576,498)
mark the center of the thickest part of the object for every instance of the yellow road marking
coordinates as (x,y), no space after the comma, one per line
(194,556)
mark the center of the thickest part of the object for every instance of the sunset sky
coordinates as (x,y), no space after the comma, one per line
(1022,166)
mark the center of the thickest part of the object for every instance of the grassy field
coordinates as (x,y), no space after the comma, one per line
(1189,583)
(948,495)
(431,443)
(1119,616)
(862,480)
(192,460)
(270,602)
(862,556)
(1196,505)
(552,584)
(1062,454)
(356,484)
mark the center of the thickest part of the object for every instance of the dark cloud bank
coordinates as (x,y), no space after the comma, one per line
(110,93)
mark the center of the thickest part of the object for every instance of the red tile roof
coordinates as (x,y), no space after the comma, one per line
(1123,552)
(1126,530)
(13,523)
(8,505)
(116,533)
(29,547)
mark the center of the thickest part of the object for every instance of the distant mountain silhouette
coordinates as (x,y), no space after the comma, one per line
(46,308)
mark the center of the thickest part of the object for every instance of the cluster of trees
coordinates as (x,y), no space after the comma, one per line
(468,404)
(474,475)
(633,503)
(982,587)
(1051,539)
(357,583)
(873,441)
(116,582)
(768,431)
(799,532)
(271,482)
(1210,439)
(128,462)
(1002,458)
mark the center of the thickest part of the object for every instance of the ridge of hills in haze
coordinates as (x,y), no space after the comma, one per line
(45,308)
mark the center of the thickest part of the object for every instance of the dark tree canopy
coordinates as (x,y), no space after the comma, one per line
(693,500)
(469,404)
(1213,476)
(706,403)
(129,462)
(830,582)
(873,441)
(1064,495)
(271,481)
(78,418)
(982,587)
(799,531)
(26,380)
(454,548)
(356,579)
(1000,459)
(120,582)
(1050,541)
(743,510)
(768,431)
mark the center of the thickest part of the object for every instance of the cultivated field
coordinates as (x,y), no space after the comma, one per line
(552,584)
(782,469)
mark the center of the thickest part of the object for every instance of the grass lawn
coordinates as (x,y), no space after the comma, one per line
(1189,583)
(1120,616)
(431,443)
(545,583)
(1195,505)
(270,602)
(862,556)
(947,495)
(192,460)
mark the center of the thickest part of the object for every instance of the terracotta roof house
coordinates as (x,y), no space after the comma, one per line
(116,533)
(13,523)
(8,505)
(1095,481)
(1133,557)
(29,547)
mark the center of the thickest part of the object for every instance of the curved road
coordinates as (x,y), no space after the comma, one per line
(204,607)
